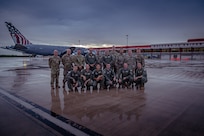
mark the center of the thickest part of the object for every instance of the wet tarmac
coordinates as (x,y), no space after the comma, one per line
(171,104)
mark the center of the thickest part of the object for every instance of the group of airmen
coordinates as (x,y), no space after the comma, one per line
(96,71)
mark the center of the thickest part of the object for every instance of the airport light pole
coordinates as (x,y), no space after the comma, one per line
(127,39)
(79,42)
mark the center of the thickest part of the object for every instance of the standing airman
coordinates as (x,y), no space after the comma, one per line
(131,60)
(91,59)
(140,58)
(54,63)
(67,61)
(107,59)
(79,60)
(114,53)
(99,57)
(120,60)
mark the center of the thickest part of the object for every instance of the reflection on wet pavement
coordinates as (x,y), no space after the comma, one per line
(55,104)
(173,96)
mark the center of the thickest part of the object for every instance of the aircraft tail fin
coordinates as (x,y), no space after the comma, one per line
(17,37)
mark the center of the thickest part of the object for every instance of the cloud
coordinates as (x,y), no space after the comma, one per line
(104,22)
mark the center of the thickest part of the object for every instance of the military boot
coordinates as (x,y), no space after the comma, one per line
(142,87)
(57,86)
(63,85)
(52,87)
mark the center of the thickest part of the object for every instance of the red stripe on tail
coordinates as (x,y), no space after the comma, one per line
(22,39)
(17,39)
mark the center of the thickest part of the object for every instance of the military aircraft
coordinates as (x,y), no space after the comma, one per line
(24,45)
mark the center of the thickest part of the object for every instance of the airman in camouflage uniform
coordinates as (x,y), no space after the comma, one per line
(97,76)
(67,61)
(107,59)
(109,76)
(140,76)
(125,76)
(73,78)
(79,60)
(86,76)
(115,54)
(91,59)
(140,58)
(99,57)
(131,60)
(54,63)
(120,60)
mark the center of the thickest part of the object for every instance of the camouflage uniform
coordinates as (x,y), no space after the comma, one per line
(88,80)
(54,63)
(140,81)
(109,75)
(67,61)
(107,59)
(114,55)
(79,61)
(131,61)
(73,78)
(95,74)
(120,60)
(140,59)
(91,59)
(126,76)
(99,59)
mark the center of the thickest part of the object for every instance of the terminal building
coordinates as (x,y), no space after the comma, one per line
(192,48)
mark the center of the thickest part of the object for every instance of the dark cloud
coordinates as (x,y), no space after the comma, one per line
(104,21)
